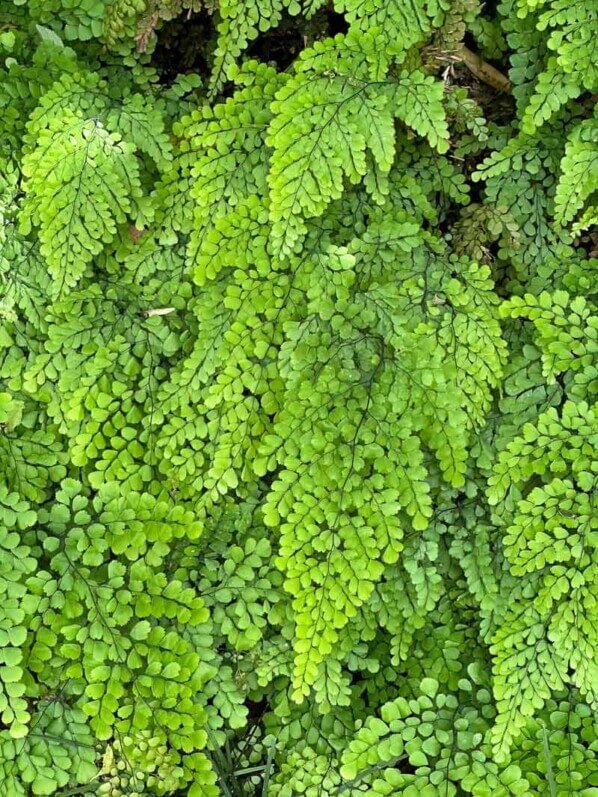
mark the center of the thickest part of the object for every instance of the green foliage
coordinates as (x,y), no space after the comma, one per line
(299,372)
(339,94)
(544,486)
(579,175)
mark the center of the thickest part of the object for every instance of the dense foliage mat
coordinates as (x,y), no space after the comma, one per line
(298,402)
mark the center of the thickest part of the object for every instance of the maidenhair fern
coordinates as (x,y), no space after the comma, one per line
(299,370)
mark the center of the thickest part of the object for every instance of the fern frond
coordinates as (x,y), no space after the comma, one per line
(79,182)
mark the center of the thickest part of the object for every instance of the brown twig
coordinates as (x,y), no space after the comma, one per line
(484,71)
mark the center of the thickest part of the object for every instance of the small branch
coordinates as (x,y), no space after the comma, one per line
(156,311)
(484,71)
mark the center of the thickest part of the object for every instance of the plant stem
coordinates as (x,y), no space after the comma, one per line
(484,71)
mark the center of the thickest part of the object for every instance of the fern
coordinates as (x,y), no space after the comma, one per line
(241,23)
(298,377)
(554,89)
(340,96)
(548,534)
(579,174)
(401,25)
(77,204)
(571,27)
